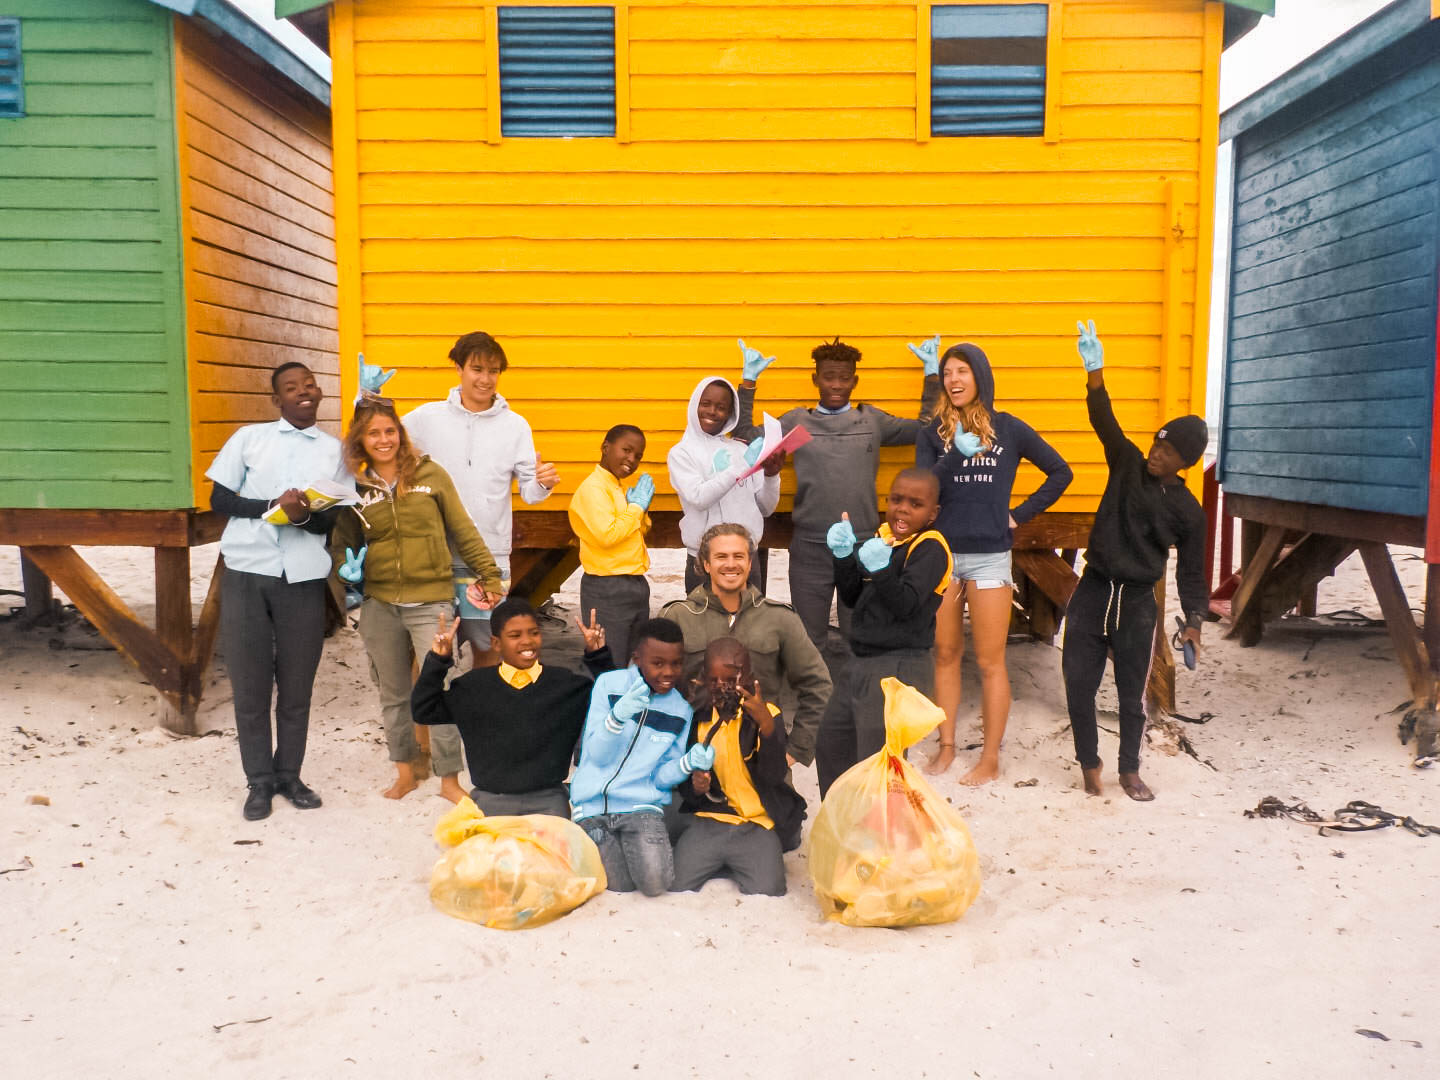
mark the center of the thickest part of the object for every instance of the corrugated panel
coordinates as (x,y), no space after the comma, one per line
(557,71)
(987,73)
(12,86)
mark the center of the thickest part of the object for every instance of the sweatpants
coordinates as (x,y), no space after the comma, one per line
(853,726)
(272,632)
(748,853)
(1106,616)
(391,633)
(634,850)
(621,604)
(554,801)
(812,587)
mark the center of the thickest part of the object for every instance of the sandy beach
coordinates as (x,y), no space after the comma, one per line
(149,930)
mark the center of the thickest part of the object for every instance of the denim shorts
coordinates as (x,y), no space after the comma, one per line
(463,579)
(984,570)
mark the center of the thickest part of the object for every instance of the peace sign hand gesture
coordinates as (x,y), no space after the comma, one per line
(444,642)
(594,633)
(754,704)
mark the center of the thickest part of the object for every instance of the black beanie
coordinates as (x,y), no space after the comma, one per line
(1188,435)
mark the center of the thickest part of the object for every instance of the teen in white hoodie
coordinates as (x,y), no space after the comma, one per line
(486,449)
(705,467)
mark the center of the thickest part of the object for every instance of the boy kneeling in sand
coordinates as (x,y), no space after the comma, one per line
(745,813)
(519,721)
(632,755)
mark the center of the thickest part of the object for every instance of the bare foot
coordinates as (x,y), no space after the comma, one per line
(1092,781)
(404,781)
(450,788)
(1135,787)
(983,772)
(943,759)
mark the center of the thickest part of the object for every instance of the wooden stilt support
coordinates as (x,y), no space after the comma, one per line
(1409,648)
(1432,617)
(1160,686)
(1051,582)
(1245,617)
(39,592)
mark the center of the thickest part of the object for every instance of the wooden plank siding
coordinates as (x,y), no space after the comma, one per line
(775,185)
(1333,292)
(260,280)
(93,410)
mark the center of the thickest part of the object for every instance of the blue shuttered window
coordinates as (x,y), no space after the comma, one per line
(12,88)
(987,69)
(557,71)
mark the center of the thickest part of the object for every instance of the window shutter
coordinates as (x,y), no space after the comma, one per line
(12,90)
(557,71)
(987,74)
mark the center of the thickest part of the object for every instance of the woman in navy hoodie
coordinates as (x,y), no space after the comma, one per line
(975,451)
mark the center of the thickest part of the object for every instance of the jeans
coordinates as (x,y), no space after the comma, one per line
(272,633)
(853,726)
(391,633)
(1105,616)
(748,853)
(635,850)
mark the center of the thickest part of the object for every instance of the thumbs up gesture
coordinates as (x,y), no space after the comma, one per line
(841,537)
(546,475)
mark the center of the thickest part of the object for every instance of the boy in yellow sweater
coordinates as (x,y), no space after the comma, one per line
(611,521)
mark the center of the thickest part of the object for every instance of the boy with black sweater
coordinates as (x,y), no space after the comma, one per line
(744,813)
(519,721)
(836,470)
(894,582)
(1145,509)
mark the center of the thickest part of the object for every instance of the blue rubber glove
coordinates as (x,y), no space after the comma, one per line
(968,444)
(841,538)
(721,460)
(642,492)
(631,704)
(874,554)
(752,452)
(352,570)
(929,354)
(1091,351)
(371,377)
(754,363)
(699,758)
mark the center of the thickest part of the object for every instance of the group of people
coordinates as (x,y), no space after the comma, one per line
(681,712)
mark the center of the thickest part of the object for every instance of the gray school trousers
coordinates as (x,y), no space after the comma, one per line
(748,853)
(621,604)
(272,632)
(554,801)
(812,587)
(853,726)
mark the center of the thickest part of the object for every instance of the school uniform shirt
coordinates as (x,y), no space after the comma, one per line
(263,461)
(975,492)
(611,531)
(894,607)
(519,678)
(711,496)
(750,778)
(1140,518)
(836,470)
(484,453)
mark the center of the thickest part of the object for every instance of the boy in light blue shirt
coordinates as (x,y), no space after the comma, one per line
(272,613)
(632,755)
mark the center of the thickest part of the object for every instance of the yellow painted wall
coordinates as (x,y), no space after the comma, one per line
(773,180)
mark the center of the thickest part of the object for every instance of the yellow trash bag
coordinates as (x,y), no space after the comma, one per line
(512,873)
(886,850)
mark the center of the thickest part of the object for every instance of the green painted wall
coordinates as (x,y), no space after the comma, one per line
(93,406)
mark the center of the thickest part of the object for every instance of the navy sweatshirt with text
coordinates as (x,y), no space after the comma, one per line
(975,492)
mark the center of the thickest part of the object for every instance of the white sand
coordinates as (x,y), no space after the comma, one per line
(1175,939)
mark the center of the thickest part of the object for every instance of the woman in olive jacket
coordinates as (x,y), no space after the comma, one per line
(399,537)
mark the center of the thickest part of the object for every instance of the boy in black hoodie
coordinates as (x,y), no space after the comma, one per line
(519,721)
(894,582)
(1145,509)
(745,814)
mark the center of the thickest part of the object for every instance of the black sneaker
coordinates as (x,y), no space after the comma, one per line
(300,795)
(257,803)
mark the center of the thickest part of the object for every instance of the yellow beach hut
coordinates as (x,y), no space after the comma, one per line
(620,190)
